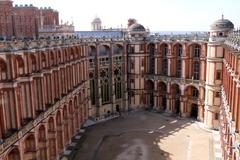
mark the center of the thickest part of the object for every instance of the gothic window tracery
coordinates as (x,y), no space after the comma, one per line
(104,81)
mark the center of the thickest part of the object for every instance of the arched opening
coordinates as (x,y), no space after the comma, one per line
(52,60)
(164,52)
(14,155)
(117,49)
(149,86)
(43,61)
(178,50)
(42,142)
(34,63)
(92,51)
(104,50)
(30,147)
(194,111)
(59,55)
(3,70)
(66,130)
(162,99)
(52,138)
(72,56)
(71,114)
(192,94)
(20,65)
(194,51)
(76,118)
(175,92)
(151,50)
(59,131)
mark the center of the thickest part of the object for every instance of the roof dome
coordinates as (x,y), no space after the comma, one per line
(96,20)
(222,24)
(136,27)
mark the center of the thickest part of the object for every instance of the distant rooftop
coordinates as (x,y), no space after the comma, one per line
(99,34)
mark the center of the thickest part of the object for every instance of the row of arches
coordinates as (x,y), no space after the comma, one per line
(32,97)
(105,50)
(49,137)
(192,50)
(168,97)
(178,65)
(28,63)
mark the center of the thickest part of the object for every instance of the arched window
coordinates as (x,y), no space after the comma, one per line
(20,65)
(92,51)
(14,155)
(52,59)
(117,49)
(44,61)
(197,51)
(104,50)
(42,134)
(165,50)
(34,63)
(72,54)
(30,144)
(51,125)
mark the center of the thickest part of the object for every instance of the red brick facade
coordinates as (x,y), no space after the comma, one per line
(24,21)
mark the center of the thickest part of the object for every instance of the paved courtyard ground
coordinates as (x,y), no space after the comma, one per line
(146,136)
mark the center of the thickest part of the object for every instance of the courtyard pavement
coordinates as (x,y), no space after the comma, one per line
(146,135)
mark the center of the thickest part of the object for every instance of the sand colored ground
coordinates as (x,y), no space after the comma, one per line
(146,136)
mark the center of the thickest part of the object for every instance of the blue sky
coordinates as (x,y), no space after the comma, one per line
(157,15)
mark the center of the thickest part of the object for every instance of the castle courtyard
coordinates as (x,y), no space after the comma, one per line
(146,136)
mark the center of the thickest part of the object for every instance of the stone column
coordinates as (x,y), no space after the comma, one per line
(168,96)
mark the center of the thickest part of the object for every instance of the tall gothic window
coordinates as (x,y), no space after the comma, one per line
(92,89)
(118,83)
(105,93)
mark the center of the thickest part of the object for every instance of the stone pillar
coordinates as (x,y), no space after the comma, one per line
(168,96)
(183,106)
(155,94)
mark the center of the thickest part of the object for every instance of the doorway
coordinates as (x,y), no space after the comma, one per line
(177,106)
(194,111)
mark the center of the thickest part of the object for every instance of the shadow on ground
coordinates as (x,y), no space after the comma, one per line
(134,136)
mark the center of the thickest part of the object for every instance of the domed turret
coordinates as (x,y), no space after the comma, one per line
(220,29)
(96,24)
(137,28)
(222,24)
(96,20)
